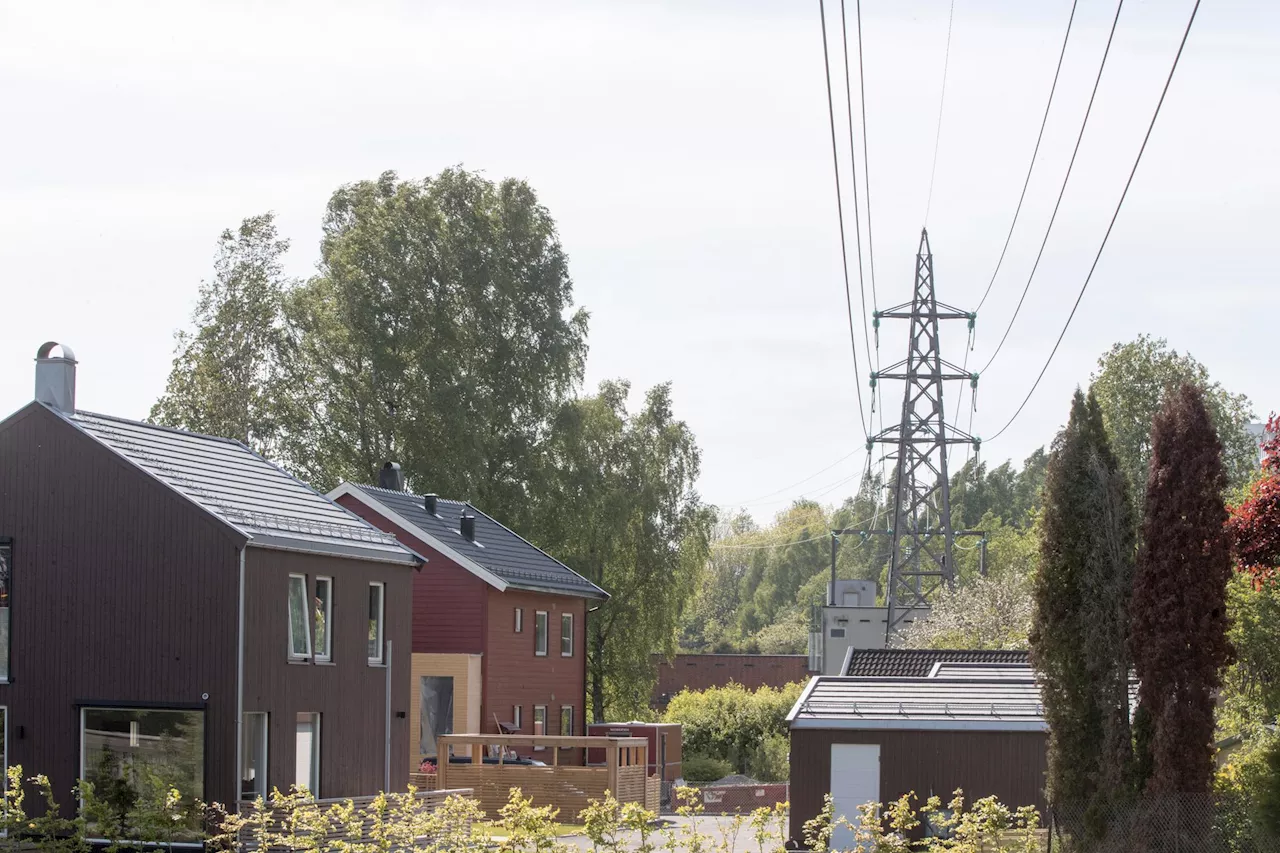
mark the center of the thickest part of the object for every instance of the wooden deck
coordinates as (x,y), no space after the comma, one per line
(569,788)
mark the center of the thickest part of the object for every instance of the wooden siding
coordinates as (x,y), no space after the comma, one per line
(123,592)
(698,672)
(448,601)
(465,672)
(1008,765)
(514,675)
(349,693)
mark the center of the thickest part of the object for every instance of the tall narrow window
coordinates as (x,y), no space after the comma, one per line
(566,635)
(299,624)
(539,722)
(6,577)
(375,622)
(517,715)
(324,618)
(253,736)
(435,712)
(519,620)
(540,633)
(566,720)
(306,755)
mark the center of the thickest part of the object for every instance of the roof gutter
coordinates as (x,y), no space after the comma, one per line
(404,557)
(797,708)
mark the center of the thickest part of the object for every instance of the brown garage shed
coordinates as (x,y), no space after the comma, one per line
(975,726)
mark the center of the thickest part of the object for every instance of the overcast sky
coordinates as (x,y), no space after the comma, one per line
(683,147)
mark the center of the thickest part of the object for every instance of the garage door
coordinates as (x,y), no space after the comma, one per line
(855,780)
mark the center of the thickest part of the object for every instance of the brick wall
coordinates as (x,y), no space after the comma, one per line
(698,672)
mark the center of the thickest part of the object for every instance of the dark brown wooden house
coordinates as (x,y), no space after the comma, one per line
(499,626)
(969,723)
(174,602)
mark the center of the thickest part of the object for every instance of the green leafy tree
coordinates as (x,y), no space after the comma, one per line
(226,373)
(984,613)
(439,332)
(734,724)
(1078,637)
(618,505)
(1179,633)
(1132,382)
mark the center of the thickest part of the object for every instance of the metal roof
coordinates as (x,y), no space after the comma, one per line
(270,507)
(842,702)
(918,663)
(498,551)
(982,671)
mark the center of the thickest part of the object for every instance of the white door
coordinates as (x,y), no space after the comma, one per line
(855,780)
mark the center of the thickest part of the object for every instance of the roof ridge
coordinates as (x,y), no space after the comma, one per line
(162,427)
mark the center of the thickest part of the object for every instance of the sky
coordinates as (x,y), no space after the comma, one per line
(684,149)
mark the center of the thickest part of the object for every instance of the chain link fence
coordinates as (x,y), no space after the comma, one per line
(1175,824)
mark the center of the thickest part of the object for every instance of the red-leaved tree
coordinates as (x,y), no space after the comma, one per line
(1255,522)
(1179,614)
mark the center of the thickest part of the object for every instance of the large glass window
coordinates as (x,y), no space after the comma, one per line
(566,635)
(307,754)
(324,618)
(134,757)
(375,622)
(299,621)
(6,570)
(253,778)
(435,712)
(539,632)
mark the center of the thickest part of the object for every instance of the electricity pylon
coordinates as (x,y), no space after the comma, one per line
(921,559)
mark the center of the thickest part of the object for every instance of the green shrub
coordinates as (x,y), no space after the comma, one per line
(702,768)
(731,723)
(770,761)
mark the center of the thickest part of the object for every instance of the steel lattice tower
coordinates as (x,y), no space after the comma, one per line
(921,558)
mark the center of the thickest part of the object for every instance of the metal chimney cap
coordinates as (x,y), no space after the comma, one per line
(43,354)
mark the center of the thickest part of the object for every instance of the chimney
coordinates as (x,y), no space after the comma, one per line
(468,525)
(429,503)
(56,377)
(390,477)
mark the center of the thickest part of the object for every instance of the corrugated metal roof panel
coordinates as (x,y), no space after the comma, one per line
(869,701)
(243,489)
(497,548)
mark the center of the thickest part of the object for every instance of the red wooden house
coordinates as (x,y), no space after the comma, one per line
(499,639)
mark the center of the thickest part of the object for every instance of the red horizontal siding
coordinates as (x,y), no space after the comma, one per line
(698,672)
(448,601)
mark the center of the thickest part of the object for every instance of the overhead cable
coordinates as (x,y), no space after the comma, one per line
(1114,216)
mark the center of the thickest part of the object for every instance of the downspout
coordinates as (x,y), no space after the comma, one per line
(386,767)
(239,746)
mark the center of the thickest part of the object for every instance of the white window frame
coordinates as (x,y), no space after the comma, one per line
(541,616)
(382,622)
(517,716)
(264,790)
(519,620)
(536,709)
(325,654)
(566,618)
(306,610)
(569,733)
(315,749)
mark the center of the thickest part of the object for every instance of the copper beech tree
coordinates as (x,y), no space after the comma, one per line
(1255,521)
(1179,628)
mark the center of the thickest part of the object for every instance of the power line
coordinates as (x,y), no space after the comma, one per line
(1061,192)
(866,163)
(1035,151)
(823,535)
(844,252)
(853,166)
(793,485)
(942,100)
(1114,216)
